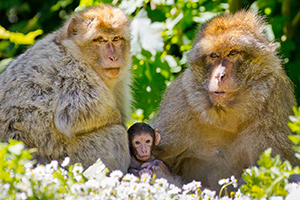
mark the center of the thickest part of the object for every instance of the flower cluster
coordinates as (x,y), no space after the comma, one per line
(19,179)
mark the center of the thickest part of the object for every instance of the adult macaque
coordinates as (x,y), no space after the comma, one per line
(68,95)
(142,139)
(231,104)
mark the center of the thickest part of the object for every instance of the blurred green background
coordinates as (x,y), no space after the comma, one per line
(162,34)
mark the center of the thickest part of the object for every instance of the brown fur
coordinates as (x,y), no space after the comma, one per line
(60,97)
(207,136)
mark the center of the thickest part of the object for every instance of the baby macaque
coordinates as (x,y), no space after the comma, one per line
(142,138)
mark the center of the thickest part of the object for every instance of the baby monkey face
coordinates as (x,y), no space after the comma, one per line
(143,146)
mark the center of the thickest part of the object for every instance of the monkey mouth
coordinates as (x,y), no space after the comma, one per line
(112,71)
(218,93)
(215,95)
(221,97)
(144,158)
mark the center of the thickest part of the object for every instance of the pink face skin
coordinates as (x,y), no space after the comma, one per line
(143,145)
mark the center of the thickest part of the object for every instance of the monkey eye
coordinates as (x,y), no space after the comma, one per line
(148,141)
(137,142)
(233,52)
(100,39)
(116,38)
(214,55)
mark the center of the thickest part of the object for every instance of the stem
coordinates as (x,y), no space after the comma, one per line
(285,8)
(288,29)
(276,181)
(296,20)
(223,187)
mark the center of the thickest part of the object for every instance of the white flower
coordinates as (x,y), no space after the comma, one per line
(161,183)
(223,181)
(145,177)
(28,165)
(208,194)
(129,6)
(92,183)
(130,178)
(16,149)
(21,195)
(249,171)
(65,162)
(146,35)
(78,188)
(116,174)
(96,171)
(78,178)
(48,178)
(226,198)
(39,172)
(50,168)
(234,181)
(276,198)
(192,186)
(6,186)
(173,190)
(292,186)
(77,169)
(294,191)
(108,182)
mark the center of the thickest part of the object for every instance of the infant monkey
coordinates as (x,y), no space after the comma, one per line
(142,138)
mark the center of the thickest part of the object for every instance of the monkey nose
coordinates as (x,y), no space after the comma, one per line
(113,58)
(220,77)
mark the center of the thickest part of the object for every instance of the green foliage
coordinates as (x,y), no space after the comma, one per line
(269,179)
(294,125)
(19,38)
(12,159)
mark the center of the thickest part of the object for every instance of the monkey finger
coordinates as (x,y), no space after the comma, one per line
(146,165)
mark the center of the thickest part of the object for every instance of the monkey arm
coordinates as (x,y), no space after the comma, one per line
(109,143)
(122,93)
(173,143)
(133,171)
(80,106)
(158,166)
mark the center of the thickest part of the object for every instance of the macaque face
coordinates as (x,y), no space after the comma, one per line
(109,48)
(222,84)
(103,41)
(143,146)
(219,65)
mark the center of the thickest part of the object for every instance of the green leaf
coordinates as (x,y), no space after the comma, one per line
(4,63)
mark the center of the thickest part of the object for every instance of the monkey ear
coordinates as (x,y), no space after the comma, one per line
(72,27)
(157,137)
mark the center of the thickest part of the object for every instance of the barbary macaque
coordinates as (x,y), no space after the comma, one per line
(69,94)
(231,104)
(142,138)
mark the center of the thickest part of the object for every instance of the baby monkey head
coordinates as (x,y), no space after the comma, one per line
(142,138)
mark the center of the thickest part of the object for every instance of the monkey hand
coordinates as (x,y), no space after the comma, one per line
(145,171)
(152,165)
(133,171)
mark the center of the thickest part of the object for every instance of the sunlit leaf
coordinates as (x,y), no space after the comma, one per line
(4,63)
(20,38)
(4,34)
